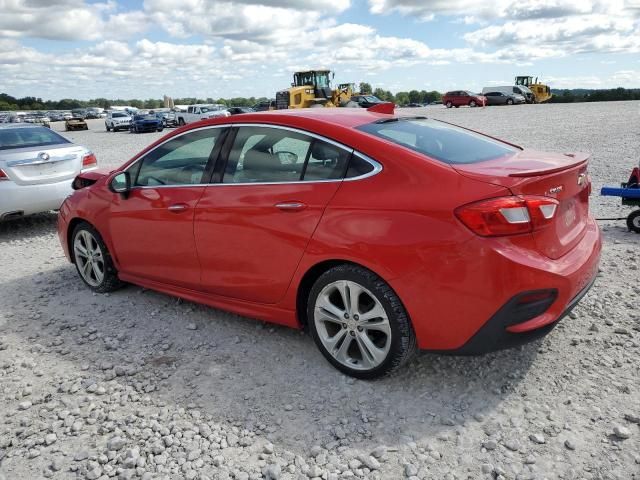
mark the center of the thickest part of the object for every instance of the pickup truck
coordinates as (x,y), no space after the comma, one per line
(198,112)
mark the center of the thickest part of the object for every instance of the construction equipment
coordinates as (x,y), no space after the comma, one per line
(540,91)
(312,89)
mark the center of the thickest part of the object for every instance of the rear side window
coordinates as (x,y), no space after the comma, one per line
(266,155)
(29,137)
(440,141)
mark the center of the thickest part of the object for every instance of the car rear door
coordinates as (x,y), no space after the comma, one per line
(252,228)
(152,228)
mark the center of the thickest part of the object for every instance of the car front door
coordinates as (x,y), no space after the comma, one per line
(252,228)
(152,228)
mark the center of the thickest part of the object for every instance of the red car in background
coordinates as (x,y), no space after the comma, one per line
(458,98)
(379,234)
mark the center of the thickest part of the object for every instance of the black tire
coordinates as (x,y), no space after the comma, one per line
(107,127)
(633,221)
(509,101)
(110,281)
(181,122)
(473,103)
(160,129)
(449,104)
(403,341)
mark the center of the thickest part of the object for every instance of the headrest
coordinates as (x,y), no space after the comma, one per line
(260,161)
(322,151)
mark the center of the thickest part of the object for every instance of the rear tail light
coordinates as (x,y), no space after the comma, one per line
(89,160)
(508,215)
(3,176)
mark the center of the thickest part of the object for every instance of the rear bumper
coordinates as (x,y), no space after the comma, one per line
(497,333)
(29,199)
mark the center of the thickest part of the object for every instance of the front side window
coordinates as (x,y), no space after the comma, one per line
(180,161)
(440,141)
(265,155)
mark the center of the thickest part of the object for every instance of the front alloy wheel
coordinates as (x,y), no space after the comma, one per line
(359,323)
(93,261)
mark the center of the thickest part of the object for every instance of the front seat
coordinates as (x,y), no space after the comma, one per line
(261,166)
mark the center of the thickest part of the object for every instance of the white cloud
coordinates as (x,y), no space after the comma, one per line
(67,20)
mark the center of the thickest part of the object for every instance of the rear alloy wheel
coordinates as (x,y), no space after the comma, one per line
(93,261)
(633,221)
(359,323)
(449,104)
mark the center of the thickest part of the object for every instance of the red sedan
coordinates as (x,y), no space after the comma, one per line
(378,234)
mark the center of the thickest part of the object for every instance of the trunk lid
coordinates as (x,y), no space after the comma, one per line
(560,176)
(50,164)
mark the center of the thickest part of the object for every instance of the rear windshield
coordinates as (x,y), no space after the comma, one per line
(440,141)
(29,137)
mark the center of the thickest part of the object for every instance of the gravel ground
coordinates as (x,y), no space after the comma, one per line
(136,384)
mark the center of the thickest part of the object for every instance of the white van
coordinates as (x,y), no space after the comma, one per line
(510,89)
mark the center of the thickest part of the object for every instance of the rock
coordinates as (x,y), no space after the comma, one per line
(487,468)
(24,405)
(568,443)
(379,452)
(272,472)
(410,470)
(50,439)
(370,462)
(81,455)
(512,445)
(632,417)
(268,449)
(490,444)
(192,326)
(116,443)
(621,432)
(537,438)
(94,473)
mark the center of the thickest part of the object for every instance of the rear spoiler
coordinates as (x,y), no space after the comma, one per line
(385,107)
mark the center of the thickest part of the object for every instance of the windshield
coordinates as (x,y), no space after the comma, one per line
(440,141)
(118,115)
(29,137)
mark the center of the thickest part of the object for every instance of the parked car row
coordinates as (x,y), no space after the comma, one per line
(158,119)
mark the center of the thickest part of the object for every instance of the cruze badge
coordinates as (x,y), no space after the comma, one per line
(582,178)
(44,156)
(557,189)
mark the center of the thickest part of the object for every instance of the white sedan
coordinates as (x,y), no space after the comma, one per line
(37,167)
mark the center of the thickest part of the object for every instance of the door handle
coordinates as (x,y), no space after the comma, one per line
(291,206)
(178,207)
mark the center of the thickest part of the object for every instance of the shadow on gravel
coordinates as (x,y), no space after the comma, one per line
(248,373)
(28,227)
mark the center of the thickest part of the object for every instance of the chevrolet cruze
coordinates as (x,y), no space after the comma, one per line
(379,234)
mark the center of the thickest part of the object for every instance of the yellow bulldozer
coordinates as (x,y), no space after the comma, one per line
(541,92)
(312,89)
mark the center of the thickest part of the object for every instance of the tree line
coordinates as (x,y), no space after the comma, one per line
(7,102)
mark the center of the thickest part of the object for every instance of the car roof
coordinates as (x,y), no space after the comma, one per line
(345,117)
(20,125)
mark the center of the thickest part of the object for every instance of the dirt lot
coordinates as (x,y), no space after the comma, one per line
(136,384)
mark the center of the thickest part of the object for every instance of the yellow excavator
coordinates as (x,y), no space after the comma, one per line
(312,89)
(541,92)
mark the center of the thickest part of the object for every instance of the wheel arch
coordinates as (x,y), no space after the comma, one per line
(313,273)
(73,223)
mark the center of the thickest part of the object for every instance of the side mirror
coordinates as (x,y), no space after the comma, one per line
(121,183)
